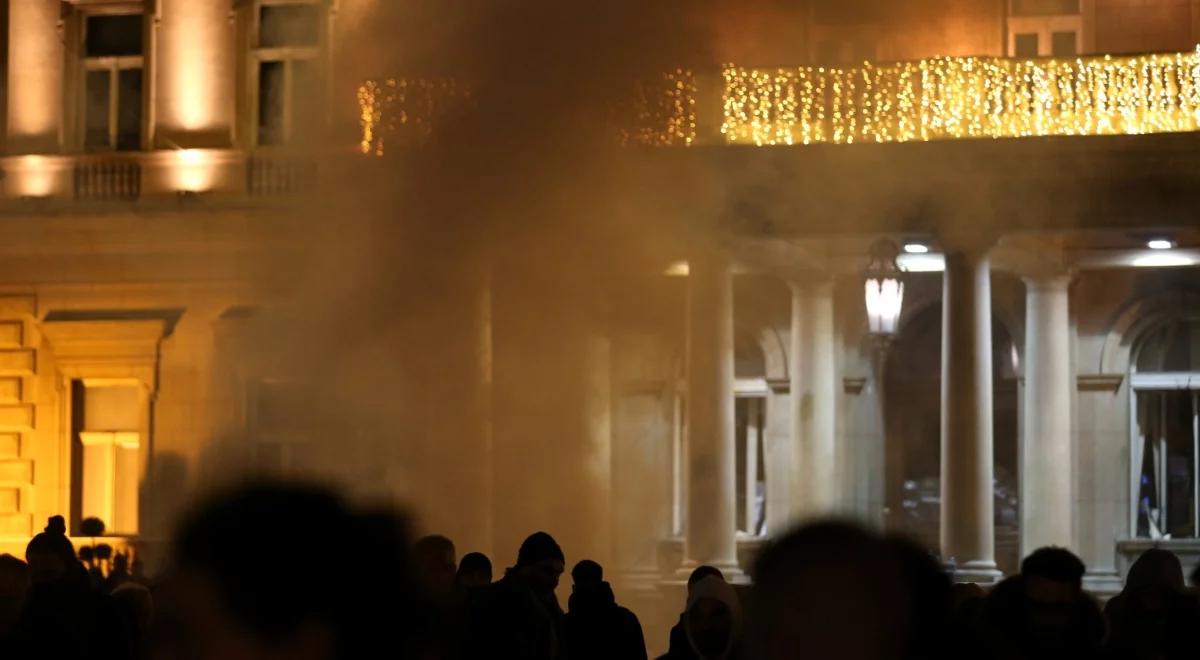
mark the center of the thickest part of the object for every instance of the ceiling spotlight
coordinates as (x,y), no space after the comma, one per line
(1161,244)
(916,248)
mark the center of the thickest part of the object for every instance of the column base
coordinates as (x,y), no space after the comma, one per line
(1103,584)
(975,572)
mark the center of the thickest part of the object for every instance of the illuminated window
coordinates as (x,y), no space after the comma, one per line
(1165,443)
(107,421)
(287,40)
(112,81)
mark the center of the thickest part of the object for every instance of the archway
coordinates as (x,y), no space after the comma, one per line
(913,434)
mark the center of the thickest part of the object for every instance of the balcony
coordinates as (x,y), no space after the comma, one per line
(927,100)
(128,178)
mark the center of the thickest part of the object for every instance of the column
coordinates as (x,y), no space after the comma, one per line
(967,525)
(460,448)
(813,398)
(35,62)
(195,88)
(711,498)
(1046,461)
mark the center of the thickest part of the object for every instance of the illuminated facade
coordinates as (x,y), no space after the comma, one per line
(1041,387)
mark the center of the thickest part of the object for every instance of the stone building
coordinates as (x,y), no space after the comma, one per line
(1039,386)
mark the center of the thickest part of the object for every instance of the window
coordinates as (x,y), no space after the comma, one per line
(1044,28)
(1064,44)
(1165,440)
(1026,45)
(287,41)
(107,420)
(112,86)
(750,425)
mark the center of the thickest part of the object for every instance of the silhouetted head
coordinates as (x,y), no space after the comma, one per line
(701,572)
(475,570)
(834,590)
(587,572)
(540,562)
(713,620)
(1052,580)
(239,590)
(1154,579)
(437,564)
(50,554)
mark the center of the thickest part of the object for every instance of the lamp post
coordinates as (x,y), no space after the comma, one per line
(884,297)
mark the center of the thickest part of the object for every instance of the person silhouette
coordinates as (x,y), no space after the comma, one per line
(474,571)
(519,616)
(677,644)
(1153,616)
(596,627)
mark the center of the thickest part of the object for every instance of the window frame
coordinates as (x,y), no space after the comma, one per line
(257,55)
(1044,26)
(1151,382)
(81,64)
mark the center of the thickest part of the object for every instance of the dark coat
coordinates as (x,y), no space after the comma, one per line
(599,629)
(510,621)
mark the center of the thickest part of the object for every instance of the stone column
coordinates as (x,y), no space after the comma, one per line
(711,497)
(967,525)
(195,80)
(813,398)
(1046,460)
(35,61)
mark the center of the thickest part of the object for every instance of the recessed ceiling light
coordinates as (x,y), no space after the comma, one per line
(1160,244)
(916,248)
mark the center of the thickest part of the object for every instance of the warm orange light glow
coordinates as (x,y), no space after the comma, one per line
(34,176)
(189,44)
(35,70)
(196,170)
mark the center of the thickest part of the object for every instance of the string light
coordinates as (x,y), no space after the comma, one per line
(956,97)
(933,99)
(663,112)
(402,109)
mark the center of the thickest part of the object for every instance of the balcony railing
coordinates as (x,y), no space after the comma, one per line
(137,176)
(934,99)
(116,178)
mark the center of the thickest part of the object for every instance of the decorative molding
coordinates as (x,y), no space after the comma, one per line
(779,385)
(854,386)
(1100,382)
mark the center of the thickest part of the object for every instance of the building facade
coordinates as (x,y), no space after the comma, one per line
(1041,386)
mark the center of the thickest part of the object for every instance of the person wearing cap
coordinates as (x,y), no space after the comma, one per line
(519,616)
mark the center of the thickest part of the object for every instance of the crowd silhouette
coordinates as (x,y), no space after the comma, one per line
(235,588)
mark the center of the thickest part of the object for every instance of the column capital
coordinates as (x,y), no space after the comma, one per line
(1039,260)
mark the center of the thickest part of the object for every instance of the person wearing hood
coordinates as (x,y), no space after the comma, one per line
(1153,618)
(712,622)
(678,646)
(519,616)
(596,627)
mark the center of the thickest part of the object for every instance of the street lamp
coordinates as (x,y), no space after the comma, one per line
(884,289)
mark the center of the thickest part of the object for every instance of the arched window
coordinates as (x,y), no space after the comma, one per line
(1165,440)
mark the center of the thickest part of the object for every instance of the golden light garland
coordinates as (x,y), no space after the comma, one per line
(934,99)
(958,98)
(663,112)
(402,109)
